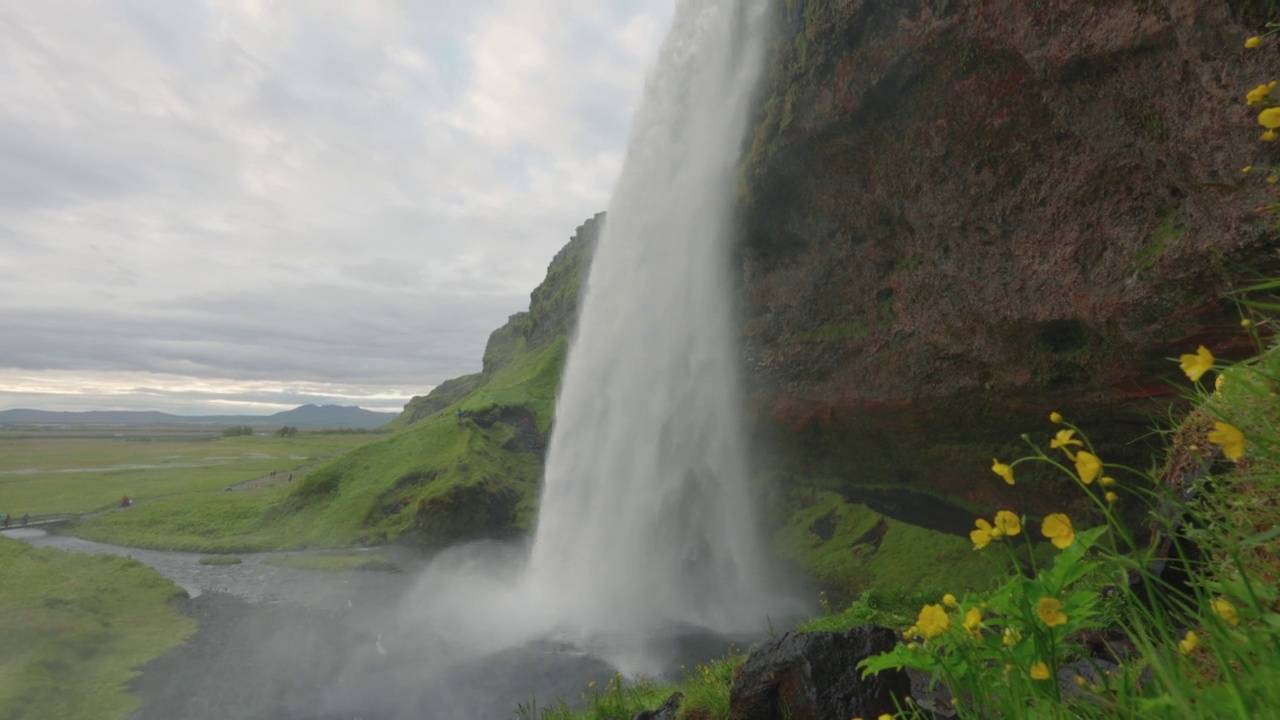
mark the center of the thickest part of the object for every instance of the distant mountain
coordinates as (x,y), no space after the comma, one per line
(306,416)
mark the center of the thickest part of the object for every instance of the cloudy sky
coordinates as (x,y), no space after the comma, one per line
(244,205)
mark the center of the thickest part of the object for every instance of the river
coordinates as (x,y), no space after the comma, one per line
(279,643)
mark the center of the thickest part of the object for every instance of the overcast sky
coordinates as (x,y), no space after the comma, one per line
(244,205)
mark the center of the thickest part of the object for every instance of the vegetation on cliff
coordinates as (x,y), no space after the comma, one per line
(1180,618)
(466,459)
(967,210)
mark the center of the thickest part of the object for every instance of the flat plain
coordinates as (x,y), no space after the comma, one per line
(75,471)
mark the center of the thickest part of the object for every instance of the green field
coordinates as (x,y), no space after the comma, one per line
(74,627)
(52,472)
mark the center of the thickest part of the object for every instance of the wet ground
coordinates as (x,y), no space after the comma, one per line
(285,644)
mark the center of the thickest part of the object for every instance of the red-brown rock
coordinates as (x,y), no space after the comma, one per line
(964,215)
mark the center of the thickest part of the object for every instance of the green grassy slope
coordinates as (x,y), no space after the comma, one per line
(849,548)
(73,627)
(436,481)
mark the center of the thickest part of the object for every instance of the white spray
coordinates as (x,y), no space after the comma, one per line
(646,518)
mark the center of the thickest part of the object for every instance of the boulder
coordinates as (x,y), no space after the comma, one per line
(815,676)
(667,711)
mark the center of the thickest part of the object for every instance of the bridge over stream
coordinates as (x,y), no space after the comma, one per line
(37,521)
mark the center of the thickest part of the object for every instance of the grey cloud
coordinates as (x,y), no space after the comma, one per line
(330,191)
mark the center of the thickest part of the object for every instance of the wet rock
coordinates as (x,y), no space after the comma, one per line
(815,676)
(934,698)
(961,216)
(667,711)
(1075,679)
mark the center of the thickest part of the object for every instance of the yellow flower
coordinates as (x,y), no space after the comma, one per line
(885,716)
(1246,323)
(1039,671)
(1188,644)
(1064,440)
(1107,481)
(1273,178)
(1253,42)
(1057,527)
(1055,417)
(1270,118)
(1225,610)
(1002,470)
(1247,169)
(983,535)
(949,600)
(1258,94)
(1088,465)
(1011,637)
(1196,365)
(1111,497)
(1229,437)
(1050,612)
(1007,523)
(1268,136)
(973,621)
(933,621)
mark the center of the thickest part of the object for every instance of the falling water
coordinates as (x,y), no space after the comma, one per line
(646,519)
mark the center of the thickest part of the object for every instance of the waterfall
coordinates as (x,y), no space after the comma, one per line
(646,517)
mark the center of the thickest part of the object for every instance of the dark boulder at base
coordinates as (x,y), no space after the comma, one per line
(815,676)
(666,711)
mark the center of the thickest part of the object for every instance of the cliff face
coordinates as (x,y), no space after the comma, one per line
(963,215)
(552,315)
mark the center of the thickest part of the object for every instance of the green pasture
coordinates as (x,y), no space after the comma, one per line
(50,473)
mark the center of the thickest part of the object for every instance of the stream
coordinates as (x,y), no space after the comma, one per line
(279,643)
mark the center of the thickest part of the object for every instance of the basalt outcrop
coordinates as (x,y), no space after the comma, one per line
(961,215)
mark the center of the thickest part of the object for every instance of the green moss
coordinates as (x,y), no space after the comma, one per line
(850,548)
(74,627)
(794,62)
(1172,227)
(1141,118)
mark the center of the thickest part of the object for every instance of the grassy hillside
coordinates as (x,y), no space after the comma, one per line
(436,481)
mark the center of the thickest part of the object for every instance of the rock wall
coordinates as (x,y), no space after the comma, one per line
(963,215)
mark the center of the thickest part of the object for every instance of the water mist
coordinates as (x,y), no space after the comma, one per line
(646,517)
